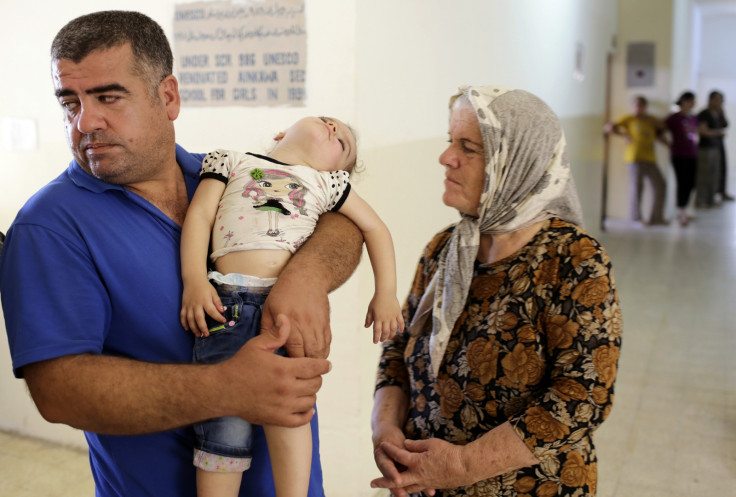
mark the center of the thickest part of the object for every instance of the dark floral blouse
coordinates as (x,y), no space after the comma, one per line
(537,345)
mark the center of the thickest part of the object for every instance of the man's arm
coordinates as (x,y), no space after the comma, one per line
(320,266)
(118,396)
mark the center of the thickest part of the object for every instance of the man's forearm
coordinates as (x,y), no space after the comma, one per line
(118,396)
(321,265)
(330,255)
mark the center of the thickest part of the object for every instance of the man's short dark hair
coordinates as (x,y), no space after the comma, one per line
(153,60)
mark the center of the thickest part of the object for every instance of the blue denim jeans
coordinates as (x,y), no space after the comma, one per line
(229,436)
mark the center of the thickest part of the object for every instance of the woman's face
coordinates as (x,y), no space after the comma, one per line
(687,104)
(464,160)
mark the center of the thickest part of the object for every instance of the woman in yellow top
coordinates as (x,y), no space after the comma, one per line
(642,130)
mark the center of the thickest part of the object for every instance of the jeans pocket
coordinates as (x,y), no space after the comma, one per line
(231,315)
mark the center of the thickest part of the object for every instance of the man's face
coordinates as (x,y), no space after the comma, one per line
(117,130)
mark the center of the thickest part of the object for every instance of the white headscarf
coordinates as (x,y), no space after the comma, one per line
(528,179)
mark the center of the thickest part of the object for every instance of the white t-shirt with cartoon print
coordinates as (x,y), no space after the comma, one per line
(268,204)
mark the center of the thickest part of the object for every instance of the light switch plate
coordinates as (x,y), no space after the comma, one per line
(19,134)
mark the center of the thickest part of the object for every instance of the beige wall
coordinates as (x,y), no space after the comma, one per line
(388,68)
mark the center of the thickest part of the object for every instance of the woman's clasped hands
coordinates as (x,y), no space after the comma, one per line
(410,466)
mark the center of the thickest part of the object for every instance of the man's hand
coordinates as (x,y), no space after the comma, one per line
(322,264)
(119,396)
(271,389)
(308,313)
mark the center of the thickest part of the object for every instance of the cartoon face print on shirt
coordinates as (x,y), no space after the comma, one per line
(269,190)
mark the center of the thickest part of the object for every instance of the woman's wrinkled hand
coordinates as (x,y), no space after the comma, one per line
(429,464)
(385,441)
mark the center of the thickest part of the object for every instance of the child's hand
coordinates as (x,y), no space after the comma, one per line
(200,298)
(384,313)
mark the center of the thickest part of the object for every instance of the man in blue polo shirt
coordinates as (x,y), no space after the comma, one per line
(90,281)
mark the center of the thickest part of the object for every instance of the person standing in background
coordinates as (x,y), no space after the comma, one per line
(642,130)
(711,180)
(683,128)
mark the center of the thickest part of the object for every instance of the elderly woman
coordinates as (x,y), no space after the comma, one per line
(515,329)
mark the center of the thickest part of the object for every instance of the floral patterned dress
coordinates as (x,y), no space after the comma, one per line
(537,344)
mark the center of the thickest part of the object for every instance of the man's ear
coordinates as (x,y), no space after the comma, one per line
(168,91)
(279,137)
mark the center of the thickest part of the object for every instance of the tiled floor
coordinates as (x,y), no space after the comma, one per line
(672,431)
(65,471)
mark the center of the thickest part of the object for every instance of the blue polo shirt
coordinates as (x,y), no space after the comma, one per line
(90,267)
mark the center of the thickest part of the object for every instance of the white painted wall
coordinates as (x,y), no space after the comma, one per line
(387,67)
(685,44)
(717,63)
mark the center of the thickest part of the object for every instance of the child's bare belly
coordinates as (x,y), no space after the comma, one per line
(260,263)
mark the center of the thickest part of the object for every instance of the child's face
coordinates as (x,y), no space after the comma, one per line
(324,143)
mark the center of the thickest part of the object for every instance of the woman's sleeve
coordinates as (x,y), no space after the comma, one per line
(583,338)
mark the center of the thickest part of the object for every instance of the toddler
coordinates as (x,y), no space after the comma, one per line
(257,210)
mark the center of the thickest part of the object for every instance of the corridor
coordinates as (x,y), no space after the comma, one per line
(672,431)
